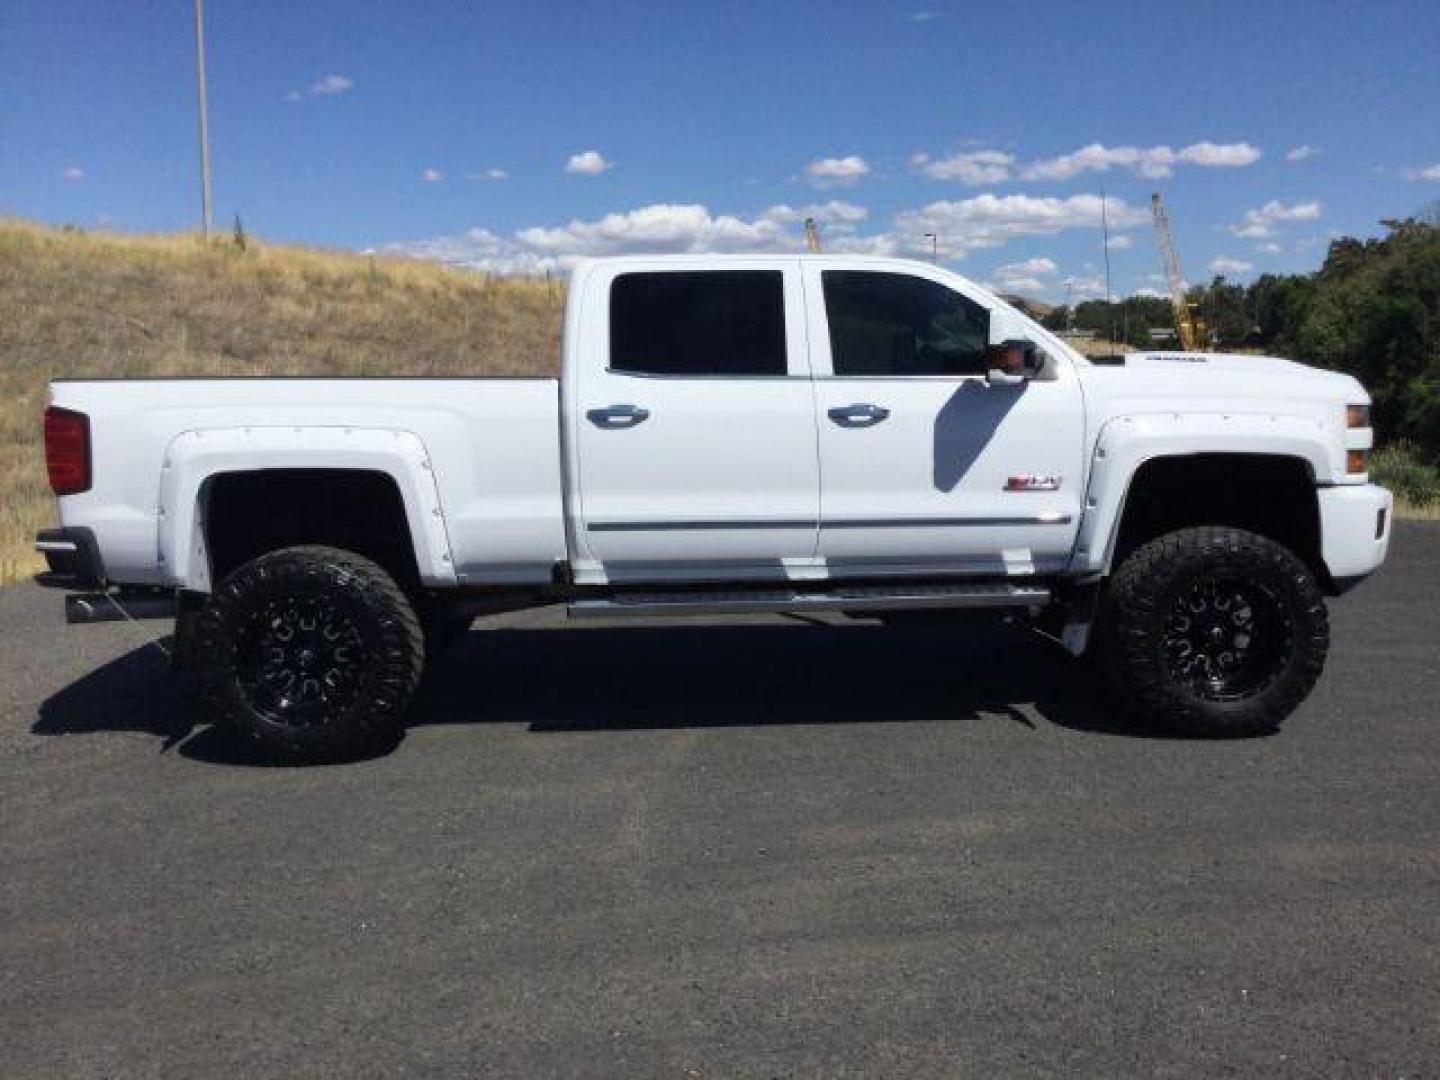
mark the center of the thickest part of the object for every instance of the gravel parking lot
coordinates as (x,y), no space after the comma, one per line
(719,849)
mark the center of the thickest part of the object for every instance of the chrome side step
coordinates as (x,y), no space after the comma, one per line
(854,598)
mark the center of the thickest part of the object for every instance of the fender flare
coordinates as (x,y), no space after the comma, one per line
(195,457)
(1126,443)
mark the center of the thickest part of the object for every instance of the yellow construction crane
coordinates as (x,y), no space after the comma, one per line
(812,236)
(1188,323)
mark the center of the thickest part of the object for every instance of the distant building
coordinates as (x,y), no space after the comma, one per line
(1034,308)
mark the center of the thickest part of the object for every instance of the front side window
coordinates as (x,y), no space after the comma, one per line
(896,324)
(706,322)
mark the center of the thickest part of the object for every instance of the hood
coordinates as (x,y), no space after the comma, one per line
(1261,381)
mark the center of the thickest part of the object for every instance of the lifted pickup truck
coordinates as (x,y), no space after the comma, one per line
(731,434)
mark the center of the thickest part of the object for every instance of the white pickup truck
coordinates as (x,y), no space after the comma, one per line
(731,434)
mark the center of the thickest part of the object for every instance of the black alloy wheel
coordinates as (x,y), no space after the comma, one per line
(312,652)
(1213,631)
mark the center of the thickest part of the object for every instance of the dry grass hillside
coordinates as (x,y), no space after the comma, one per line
(100,304)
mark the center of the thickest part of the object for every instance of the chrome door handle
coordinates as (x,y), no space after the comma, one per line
(618,416)
(862,414)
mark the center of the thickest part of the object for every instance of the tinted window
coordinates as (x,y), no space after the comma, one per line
(698,323)
(895,324)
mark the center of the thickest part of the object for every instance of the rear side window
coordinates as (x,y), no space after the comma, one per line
(706,322)
(895,324)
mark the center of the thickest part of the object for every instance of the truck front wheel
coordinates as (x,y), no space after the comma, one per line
(312,652)
(1214,631)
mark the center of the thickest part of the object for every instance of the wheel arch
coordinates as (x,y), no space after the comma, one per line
(236,492)
(1255,472)
(1271,495)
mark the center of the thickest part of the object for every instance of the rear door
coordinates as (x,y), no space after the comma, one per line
(695,423)
(926,466)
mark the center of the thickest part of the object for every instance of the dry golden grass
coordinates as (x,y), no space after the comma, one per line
(81,304)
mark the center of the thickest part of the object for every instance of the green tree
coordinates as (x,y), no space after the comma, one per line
(1376,314)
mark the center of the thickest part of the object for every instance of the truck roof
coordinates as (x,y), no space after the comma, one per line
(767,256)
(700,259)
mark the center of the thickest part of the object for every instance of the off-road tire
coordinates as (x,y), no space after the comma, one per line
(242,659)
(1141,649)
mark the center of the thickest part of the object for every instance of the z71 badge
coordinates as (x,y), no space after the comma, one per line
(1033,483)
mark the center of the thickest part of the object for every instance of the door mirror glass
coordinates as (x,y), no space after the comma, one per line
(1012,361)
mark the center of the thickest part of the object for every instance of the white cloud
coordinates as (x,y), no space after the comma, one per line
(1300,153)
(1152,162)
(73,172)
(1268,248)
(433,176)
(836,213)
(489,174)
(478,249)
(923,16)
(973,167)
(665,227)
(331,84)
(833,172)
(1260,223)
(1150,293)
(588,163)
(1120,243)
(988,221)
(1019,285)
(325,86)
(1083,288)
(1228,267)
(983,222)
(1219,155)
(1429,172)
(1028,268)
(1026,276)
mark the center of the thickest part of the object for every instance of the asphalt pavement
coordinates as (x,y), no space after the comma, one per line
(788,847)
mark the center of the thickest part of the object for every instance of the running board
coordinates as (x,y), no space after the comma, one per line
(861,598)
(118,606)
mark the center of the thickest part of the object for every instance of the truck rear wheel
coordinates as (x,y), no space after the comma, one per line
(312,652)
(1214,631)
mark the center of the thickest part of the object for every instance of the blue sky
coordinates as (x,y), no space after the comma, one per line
(516,136)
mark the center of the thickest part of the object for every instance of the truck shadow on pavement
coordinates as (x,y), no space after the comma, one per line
(659,677)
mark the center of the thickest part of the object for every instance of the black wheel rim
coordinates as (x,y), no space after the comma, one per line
(300,661)
(1227,638)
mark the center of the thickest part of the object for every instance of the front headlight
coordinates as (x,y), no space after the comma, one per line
(1357,416)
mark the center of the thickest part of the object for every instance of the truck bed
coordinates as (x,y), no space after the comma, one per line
(477,461)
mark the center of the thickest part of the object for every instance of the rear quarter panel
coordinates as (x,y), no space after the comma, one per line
(477,462)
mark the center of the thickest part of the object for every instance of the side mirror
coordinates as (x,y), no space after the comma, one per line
(1011,362)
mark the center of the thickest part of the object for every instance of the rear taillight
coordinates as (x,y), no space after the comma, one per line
(67,450)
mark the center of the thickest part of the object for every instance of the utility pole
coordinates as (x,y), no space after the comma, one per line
(1105,242)
(934,247)
(207,222)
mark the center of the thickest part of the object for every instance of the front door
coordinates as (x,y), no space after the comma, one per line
(696,430)
(926,466)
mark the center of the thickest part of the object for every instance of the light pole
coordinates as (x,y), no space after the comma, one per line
(207,222)
(934,247)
